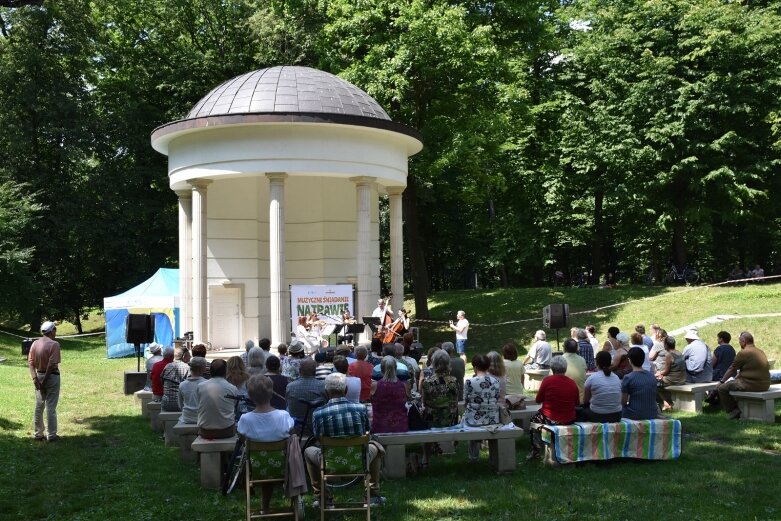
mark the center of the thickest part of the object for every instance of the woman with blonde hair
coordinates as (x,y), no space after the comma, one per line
(238,375)
(497,370)
(389,400)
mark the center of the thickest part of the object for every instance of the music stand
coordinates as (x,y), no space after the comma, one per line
(372,322)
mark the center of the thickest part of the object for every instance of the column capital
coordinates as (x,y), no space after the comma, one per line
(199,184)
(184,194)
(276,176)
(363,180)
(395,190)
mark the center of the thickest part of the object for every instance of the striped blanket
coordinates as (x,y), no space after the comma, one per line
(645,439)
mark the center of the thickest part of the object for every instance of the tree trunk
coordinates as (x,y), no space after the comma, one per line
(597,238)
(416,254)
(679,247)
(77,321)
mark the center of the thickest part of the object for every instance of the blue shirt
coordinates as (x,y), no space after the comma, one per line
(587,352)
(641,388)
(339,418)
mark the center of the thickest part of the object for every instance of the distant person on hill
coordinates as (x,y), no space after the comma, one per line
(638,389)
(175,373)
(753,374)
(757,272)
(540,354)
(698,359)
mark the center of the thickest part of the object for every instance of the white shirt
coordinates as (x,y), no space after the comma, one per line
(266,426)
(647,361)
(594,343)
(463,326)
(379,312)
(353,389)
(541,353)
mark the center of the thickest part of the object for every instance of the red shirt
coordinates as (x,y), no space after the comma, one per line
(157,373)
(559,396)
(363,370)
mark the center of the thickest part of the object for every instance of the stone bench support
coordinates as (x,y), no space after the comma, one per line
(154,409)
(168,420)
(185,435)
(758,406)
(533,378)
(143,398)
(211,453)
(689,397)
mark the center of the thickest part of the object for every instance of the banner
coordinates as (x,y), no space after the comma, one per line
(329,302)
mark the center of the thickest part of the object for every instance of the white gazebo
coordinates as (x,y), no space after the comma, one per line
(279,173)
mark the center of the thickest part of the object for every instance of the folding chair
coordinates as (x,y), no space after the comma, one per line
(265,464)
(344,459)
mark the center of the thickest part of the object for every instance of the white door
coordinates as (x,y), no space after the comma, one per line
(225,317)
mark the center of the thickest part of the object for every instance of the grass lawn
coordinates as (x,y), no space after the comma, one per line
(109,465)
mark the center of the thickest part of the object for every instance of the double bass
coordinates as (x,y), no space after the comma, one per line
(387,320)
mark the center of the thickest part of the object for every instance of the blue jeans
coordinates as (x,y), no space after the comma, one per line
(461,346)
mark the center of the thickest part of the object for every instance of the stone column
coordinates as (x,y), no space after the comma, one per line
(199,312)
(396,247)
(366,299)
(185,261)
(279,293)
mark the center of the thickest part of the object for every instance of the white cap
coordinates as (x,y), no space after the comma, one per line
(691,335)
(47,327)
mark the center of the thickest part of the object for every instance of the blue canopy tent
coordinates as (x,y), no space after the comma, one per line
(159,295)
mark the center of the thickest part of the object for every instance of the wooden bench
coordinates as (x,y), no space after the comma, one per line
(143,398)
(501,447)
(185,435)
(154,409)
(759,405)
(533,378)
(211,454)
(658,439)
(168,419)
(689,397)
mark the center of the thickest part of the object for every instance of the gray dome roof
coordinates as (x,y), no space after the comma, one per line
(288,89)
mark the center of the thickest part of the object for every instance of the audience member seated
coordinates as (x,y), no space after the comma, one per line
(249,344)
(157,372)
(280,382)
(282,352)
(621,365)
(257,361)
(216,410)
(174,373)
(559,397)
(585,350)
(638,389)
(363,370)
(457,366)
(353,382)
(658,352)
(636,340)
(264,423)
(200,350)
(402,371)
(697,355)
(753,374)
(305,393)
(497,370)
(188,390)
(238,375)
(341,418)
(576,366)
(672,373)
(723,355)
(155,350)
(375,352)
(427,370)
(345,351)
(412,349)
(290,365)
(601,394)
(513,369)
(612,343)
(389,399)
(412,366)
(439,395)
(481,400)
(540,354)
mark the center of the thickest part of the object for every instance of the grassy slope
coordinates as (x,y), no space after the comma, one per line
(110,465)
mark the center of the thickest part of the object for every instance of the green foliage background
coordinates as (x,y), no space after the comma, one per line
(596,136)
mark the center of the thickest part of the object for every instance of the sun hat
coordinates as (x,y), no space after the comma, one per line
(47,327)
(155,348)
(691,335)
(623,338)
(295,347)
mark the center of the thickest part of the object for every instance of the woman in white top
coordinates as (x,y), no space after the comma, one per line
(264,423)
(601,394)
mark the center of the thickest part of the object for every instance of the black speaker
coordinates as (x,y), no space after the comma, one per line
(139,329)
(27,343)
(555,316)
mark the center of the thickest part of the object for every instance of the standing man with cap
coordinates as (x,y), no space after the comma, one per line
(44,363)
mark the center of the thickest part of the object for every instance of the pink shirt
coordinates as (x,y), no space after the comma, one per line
(43,352)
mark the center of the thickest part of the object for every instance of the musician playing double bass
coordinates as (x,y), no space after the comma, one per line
(384,313)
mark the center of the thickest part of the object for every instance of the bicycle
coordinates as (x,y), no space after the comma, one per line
(234,468)
(685,275)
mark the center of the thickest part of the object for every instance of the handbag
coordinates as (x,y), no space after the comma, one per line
(515,402)
(504,415)
(415,419)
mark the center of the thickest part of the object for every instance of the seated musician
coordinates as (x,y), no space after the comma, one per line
(347,319)
(303,335)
